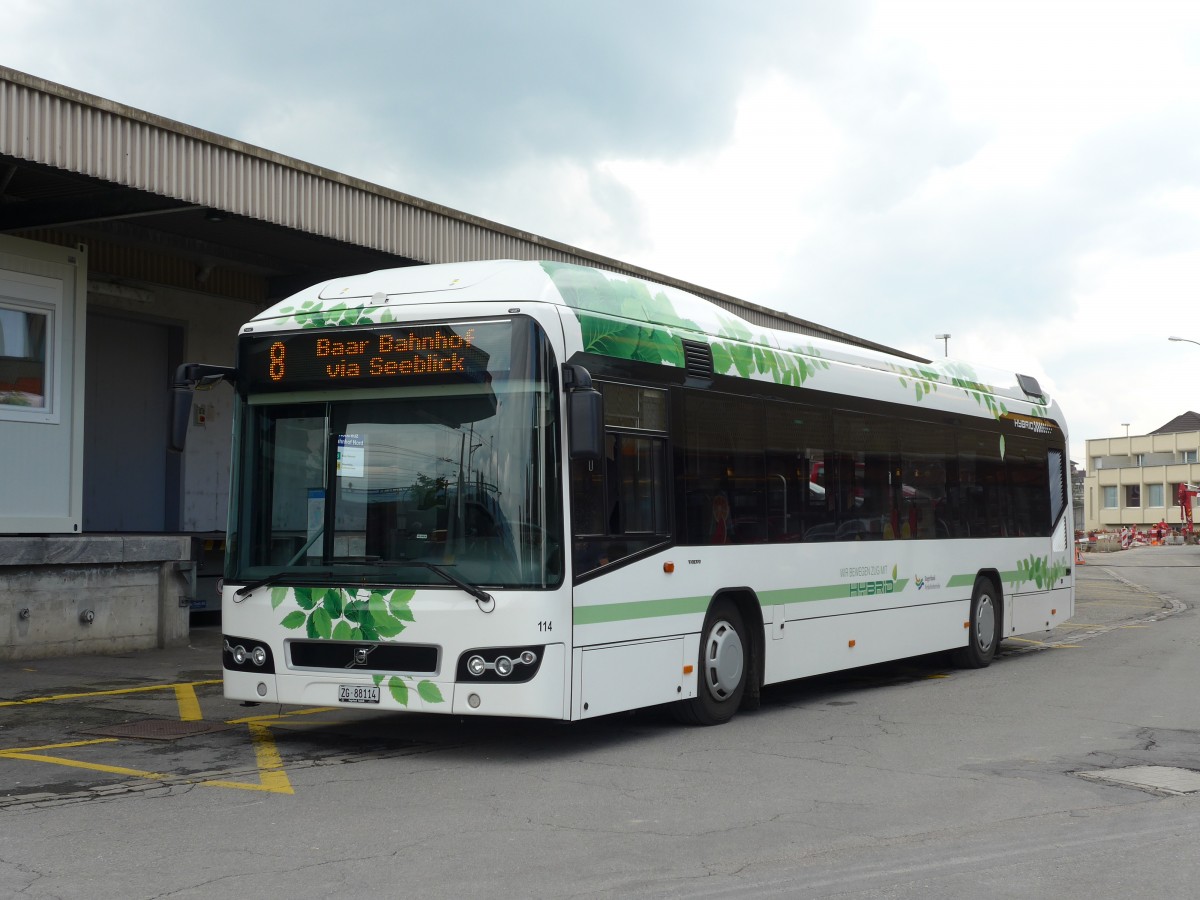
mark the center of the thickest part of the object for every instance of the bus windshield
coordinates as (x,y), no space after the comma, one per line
(387,483)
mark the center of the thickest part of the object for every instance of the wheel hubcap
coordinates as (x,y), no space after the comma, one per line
(985,623)
(723,660)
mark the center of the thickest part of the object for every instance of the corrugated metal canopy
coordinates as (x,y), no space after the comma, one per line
(74,166)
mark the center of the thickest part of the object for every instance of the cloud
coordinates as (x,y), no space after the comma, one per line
(1022,175)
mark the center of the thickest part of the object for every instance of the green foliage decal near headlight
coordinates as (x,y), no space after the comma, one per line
(355,615)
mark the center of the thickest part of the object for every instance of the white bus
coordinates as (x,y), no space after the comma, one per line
(538,489)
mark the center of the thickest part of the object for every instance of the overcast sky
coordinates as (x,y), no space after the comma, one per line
(1024,176)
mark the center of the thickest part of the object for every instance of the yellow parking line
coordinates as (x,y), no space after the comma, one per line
(112,693)
(189,705)
(275,717)
(27,754)
(272,776)
(58,746)
(1043,643)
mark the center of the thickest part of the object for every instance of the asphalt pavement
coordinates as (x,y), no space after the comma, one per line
(75,728)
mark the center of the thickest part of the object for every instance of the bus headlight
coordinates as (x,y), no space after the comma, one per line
(511,664)
(245,655)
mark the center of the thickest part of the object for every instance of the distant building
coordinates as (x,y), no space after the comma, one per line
(1135,480)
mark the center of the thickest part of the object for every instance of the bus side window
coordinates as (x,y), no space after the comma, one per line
(620,503)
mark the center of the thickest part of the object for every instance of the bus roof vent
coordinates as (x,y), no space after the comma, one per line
(698,359)
(1030,386)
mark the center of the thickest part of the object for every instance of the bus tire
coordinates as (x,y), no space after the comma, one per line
(984,628)
(723,668)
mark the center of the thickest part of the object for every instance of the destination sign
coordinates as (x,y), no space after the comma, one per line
(387,355)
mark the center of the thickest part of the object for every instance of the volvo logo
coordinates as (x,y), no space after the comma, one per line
(360,657)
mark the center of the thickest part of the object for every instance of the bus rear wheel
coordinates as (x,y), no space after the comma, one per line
(984,628)
(722,668)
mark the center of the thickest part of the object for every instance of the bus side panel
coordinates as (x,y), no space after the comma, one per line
(1040,611)
(816,646)
(629,676)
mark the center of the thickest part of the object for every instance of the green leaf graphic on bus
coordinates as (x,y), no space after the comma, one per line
(629,340)
(399,686)
(348,615)
(315,314)
(356,615)
(924,382)
(1040,571)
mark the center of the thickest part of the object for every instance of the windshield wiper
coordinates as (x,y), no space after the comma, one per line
(481,596)
(276,577)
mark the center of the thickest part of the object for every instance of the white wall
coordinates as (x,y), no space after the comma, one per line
(41,446)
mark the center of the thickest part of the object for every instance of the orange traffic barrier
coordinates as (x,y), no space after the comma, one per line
(1079,560)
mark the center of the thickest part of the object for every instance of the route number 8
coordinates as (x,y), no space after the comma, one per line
(276,370)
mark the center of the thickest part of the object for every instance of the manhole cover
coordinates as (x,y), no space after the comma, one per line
(1163,779)
(158,729)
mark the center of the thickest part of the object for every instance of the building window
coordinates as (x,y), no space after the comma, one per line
(1139,459)
(1133,495)
(1189,456)
(25,335)
(1154,495)
(1110,497)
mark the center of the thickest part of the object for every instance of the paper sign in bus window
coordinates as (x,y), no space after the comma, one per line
(351,456)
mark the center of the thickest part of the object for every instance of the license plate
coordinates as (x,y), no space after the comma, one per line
(358,693)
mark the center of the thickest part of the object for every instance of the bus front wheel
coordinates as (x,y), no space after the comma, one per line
(984,628)
(722,669)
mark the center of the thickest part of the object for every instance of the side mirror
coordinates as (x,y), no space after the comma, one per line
(188,378)
(585,414)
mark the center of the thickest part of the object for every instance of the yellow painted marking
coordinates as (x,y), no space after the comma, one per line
(113,693)
(1043,643)
(272,776)
(28,754)
(275,717)
(58,746)
(189,706)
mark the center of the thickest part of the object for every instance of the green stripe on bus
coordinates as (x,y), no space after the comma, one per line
(968,580)
(639,609)
(679,606)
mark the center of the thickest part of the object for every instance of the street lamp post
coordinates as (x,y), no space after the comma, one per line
(945,339)
(1126,424)
(1185,340)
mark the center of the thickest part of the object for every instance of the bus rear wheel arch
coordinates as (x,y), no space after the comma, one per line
(983,626)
